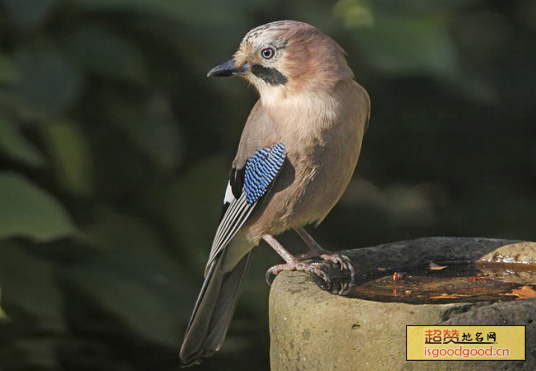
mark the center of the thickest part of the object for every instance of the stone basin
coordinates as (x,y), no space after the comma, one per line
(312,329)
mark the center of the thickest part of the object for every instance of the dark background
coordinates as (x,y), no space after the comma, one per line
(115,147)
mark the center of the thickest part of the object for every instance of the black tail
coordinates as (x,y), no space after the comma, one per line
(213,310)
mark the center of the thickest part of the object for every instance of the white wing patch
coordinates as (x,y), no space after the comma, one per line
(229,197)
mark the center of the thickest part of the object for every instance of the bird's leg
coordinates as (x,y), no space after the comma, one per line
(293,264)
(316,251)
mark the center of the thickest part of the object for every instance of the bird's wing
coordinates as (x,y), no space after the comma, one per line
(245,188)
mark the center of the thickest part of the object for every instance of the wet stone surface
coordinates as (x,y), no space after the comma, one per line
(452,283)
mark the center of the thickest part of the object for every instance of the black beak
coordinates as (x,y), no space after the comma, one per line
(228,69)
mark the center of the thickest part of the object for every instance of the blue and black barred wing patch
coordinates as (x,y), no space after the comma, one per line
(245,188)
(261,170)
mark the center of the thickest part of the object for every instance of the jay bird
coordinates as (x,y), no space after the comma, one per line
(296,156)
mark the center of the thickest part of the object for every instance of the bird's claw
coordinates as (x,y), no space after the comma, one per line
(344,263)
(315,268)
(345,288)
(342,260)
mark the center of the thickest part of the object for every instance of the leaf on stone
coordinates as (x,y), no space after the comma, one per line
(28,211)
(525,292)
(433,266)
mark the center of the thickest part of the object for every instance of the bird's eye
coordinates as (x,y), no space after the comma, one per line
(268,53)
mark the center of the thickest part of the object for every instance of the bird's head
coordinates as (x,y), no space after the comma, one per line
(286,57)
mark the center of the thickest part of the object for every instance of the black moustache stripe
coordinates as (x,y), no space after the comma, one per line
(270,75)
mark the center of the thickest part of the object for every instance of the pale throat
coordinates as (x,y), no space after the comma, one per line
(302,116)
(316,105)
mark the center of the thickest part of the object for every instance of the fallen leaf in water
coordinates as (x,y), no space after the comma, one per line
(526,292)
(433,266)
(478,279)
(448,296)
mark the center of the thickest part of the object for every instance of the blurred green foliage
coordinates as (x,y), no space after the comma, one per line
(114,151)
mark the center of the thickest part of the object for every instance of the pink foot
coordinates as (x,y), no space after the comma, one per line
(315,268)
